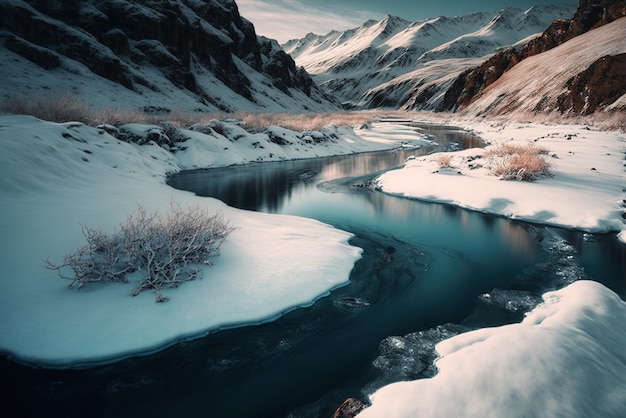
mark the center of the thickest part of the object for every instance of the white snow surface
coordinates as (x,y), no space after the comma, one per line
(585,192)
(565,359)
(55,177)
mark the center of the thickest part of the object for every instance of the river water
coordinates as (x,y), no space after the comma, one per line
(428,268)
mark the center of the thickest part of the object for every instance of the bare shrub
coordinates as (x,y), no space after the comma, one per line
(160,248)
(444,160)
(518,162)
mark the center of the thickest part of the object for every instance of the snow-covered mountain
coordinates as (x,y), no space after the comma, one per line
(402,64)
(581,76)
(174,54)
(598,86)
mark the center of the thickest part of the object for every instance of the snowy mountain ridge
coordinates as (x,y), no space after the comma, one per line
(402,64)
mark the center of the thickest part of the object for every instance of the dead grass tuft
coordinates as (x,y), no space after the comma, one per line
(444,161)
(54,108)
(518,162)
(302,121)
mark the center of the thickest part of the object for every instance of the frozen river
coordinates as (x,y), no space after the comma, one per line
(424,265)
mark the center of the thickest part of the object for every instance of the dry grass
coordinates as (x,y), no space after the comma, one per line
(49,107)
(444,161)
(301,121)
(70,108)
(518,162)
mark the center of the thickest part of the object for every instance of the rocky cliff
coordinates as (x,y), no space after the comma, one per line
(198,46)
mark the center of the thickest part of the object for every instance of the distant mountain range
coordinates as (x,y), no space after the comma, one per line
(581,76)
(401,64)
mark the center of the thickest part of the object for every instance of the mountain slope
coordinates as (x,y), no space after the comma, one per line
(396,63)
(558,80)
(590,14)
(186,54)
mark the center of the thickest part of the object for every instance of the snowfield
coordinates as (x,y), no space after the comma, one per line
(54,177)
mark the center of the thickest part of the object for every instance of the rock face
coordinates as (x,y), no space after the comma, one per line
(182,39)
(601,84)
(590,14)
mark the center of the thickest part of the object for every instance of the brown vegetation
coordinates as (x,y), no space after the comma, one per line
(444,160)
(69,108)
(518,162)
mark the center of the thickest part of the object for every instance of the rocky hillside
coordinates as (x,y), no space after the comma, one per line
(189,54)
(584,75)
(397,63)
(595,87)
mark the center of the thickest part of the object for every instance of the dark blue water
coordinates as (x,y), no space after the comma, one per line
(423,265)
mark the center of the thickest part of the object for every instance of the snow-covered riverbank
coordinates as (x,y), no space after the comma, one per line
(55,177)
(566,359)
(587,189)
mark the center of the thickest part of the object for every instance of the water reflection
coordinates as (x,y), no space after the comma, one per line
(266,186)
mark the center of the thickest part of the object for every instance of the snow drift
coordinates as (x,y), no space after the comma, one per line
(566,359)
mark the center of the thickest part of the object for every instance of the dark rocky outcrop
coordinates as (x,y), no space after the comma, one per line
(282,68)
(350,408)
(601,84)
(589,15)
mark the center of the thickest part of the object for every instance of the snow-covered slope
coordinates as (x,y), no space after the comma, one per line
(397,63)
(180,54)
(546,82)
(566,359)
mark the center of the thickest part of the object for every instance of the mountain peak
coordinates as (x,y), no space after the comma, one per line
(392,61)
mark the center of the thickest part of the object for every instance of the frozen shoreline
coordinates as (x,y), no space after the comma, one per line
(58,176)
(585,192)
(55,177)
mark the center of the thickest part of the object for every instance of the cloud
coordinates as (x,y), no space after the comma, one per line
(288,19)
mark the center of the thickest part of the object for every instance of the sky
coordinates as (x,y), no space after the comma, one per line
(290,19)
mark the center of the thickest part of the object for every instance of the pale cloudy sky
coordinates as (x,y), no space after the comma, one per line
(289,19)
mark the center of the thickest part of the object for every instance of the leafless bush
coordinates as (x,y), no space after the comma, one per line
(518,162)
(160,248)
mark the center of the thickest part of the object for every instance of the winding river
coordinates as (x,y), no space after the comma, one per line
(424,265)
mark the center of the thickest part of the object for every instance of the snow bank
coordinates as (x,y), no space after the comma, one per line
(566,359)
(585,191)
(54,177)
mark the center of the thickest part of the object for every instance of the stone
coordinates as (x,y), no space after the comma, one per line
(350,408)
